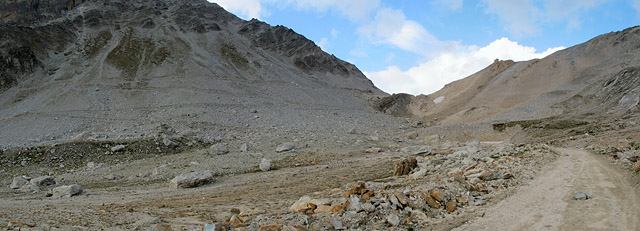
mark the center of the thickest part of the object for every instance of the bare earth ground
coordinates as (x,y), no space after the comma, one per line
(547,202)
(138,202)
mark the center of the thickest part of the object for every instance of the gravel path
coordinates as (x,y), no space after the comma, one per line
(547,203)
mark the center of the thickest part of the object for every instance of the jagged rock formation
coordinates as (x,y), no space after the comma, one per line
(128,66)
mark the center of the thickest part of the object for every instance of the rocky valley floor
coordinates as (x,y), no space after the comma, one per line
(379,183)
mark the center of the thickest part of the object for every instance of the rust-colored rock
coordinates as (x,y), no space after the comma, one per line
(403,199)
(303,205)
(477,188)
(338,209)
(436,194)
(450,206)
(405,166)
(271,227)
(430,201)
(357,190)
(419,215)
(236,222)
(637,167)
(323,209)
(367,195)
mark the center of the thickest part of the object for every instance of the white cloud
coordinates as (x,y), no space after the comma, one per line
(334,33)
(448,66)
(358,53)
(524,17)
(323,44)
(519,16)
(355,10)
(391,27)
(636,5)
(246,9)
(448,4)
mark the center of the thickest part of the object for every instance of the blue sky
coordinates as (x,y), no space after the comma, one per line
(417,46)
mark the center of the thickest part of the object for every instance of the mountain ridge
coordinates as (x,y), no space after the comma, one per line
(540,88)
(102,65)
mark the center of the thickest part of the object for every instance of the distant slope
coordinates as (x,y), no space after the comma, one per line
(125,67)
(595,79)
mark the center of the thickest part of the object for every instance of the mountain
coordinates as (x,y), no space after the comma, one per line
(596,80)
(121,69)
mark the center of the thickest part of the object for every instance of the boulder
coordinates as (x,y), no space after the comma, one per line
(118,148)
(67,191)
(403,199)
(337,224)
(285,147)
(373,150)
(419,174)
(405,166)
(303,205)
(323,209)
(354,204)
(112,176)
(19,181)
(218,149)
(29,188)
(417,150)
(450,206)
(191,180)
(436,194)
(368,207)
(43,181)
(265,165)
(159,171)
(393,220)
(245,147)
(582,196)
(209,227)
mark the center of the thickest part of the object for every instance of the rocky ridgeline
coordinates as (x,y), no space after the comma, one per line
(442,187)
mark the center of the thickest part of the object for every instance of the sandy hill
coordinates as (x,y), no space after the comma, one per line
(121,69)
(597,79)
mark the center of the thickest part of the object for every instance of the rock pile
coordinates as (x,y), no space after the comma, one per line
(26,184)
(440,187)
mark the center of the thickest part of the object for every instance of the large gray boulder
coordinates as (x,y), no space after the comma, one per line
(67,191)
(43,181)
(191,180)
(285,147)
(19,181)
(218,149)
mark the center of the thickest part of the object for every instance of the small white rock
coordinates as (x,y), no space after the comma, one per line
(265,165)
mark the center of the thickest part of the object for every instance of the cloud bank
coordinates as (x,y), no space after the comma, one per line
(448,66)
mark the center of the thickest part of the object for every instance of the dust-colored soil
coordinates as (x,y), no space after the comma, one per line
(138,203)
(547,202)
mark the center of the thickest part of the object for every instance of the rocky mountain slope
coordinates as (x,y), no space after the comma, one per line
(594,80)
(104,70)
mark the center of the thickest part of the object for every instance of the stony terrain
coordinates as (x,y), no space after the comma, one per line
(177,115)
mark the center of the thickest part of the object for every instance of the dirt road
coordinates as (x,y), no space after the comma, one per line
(547,202)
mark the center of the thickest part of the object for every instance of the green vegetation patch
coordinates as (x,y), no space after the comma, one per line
(93,45)
(130,53)
(232,55)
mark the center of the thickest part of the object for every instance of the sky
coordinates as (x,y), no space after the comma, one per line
(418,46)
